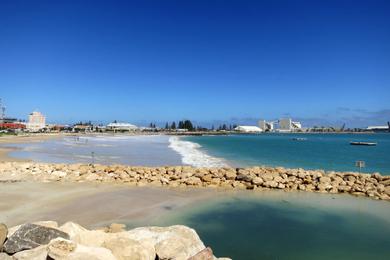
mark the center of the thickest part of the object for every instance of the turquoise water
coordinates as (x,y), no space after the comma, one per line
(282,225)
(318,151)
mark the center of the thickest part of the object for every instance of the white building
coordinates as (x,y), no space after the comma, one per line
(287,125)
(121,127)
(248,129)
(36,122)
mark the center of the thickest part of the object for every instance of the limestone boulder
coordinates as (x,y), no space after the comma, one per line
(171,248)
(230,175)
(72,229)
(116,227)
(207,178)
(325,179)
(4,256)
(30,236)
(257,181)
(193,181)
(3,234)
(91,253)
(387,190)
(205,254)
(125,248)
(38,253)
(60,248)
(93,238)
(270,184)
(175,242)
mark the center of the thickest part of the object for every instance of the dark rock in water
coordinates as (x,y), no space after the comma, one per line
(3,234)
(29,236)
(205,254)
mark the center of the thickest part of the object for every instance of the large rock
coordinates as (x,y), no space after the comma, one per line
(60,248)
(230,175)
(172,248)
(29,236)
(125,248)
(38,253)
(4,256)
(94,238)
(116,227)
(175,242)
(91,253)
(257,181)
(72,229)
(49,223)
(3,234)
(205,254)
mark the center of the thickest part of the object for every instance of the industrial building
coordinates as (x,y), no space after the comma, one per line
(248,129)
(281,125)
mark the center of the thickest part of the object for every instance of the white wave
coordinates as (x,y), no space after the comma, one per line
(192,155)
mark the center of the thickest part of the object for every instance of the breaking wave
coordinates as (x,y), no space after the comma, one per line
(192,155)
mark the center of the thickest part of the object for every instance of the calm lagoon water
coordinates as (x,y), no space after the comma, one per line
(318,151)
(280,225)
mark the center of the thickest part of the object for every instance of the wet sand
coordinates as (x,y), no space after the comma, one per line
(17,139)
(91,205)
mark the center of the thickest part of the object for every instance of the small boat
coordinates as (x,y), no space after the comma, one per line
(363,143)
(299,139)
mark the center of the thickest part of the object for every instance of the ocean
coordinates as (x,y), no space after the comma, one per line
(330,152)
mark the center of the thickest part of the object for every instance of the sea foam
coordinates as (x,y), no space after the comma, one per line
(192,155)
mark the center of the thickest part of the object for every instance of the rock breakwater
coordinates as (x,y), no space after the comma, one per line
(47,240)
(373,185)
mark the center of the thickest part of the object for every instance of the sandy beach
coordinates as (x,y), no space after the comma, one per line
(91,205)
(17,139)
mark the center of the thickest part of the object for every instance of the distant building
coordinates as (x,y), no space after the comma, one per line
(36,122)
(82,128)
(121,127)
(12,126)
(266,126)
(379,128)
(287,125)
(248,129)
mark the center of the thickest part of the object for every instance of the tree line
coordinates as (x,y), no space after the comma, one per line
(189,126)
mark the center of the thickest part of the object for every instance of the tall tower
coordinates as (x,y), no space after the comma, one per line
(2,112)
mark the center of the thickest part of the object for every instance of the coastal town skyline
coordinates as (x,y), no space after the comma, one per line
(208,62)
(377,119)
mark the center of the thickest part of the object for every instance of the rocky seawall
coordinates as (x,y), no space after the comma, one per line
(374,185)
(47,240)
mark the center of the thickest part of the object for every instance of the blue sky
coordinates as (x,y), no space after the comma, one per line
(322,62)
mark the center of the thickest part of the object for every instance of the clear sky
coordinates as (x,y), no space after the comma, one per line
(141,61)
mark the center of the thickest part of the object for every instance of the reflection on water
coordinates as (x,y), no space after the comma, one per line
(291,226)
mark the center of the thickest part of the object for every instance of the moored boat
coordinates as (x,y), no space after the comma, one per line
(363,143)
